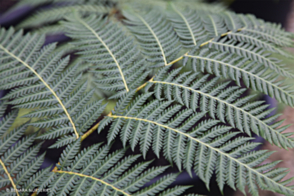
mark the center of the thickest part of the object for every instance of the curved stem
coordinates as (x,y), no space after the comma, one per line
(143,85)
(9,176)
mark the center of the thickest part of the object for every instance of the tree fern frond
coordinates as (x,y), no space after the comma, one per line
(203,145)
(201,6)
(253,53)
(232,21)
(268,31)
(95,171)
(45,84)
(119,62)
(7,120)
(187,24)
(214,25)
(222,102)
(156,36)
(253,74)
(50,29)
(19,163)
(55,14)
(257,41)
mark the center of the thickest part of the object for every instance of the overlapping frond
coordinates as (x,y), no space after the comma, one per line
(214,25)
(254,74)
(19,163)
(155,35)
(253,53)
(40,80)
(270,32)
(253,39)
(53,15)
(165,126)
(96,171)
(187,24)
(222,102)
(112,53)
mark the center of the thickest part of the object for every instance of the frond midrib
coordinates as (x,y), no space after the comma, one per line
(241,70)
(93,178)
(222,101)
(9,176)
(107,48)
(249,51)
(46,84)
(186,22)
(265,34)
(259,41)
(232,20)
(214,25)
(207,145)
(155,37)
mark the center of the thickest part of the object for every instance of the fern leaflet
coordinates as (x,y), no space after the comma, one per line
(95,171)
(19,163)
(42,82)
(156,36)
(253,74)
(204,148)
(118,61)
(253,53)
(221,102)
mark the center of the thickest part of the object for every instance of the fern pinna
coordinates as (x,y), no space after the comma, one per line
(179,72)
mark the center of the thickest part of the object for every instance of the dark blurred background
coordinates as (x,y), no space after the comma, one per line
(269,10)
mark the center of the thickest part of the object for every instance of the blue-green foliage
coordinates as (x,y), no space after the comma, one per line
(185,114)
(222,102)
(156,36)
(96,171)
(18,158)
(254,74)
(112,54)
(194,144)
(40,80)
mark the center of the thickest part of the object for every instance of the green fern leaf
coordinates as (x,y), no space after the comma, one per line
(119,62)
(19,163)
(61,100)
(214,25)
(155,35)
(253,74)
(187,24)
(204,148)
(253,53)
(268,31)
(257,41)
(55,14)
(95,171)
(222,103)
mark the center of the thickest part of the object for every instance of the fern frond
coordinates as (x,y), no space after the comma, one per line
(7,120)
(155,35)
(221,102)
(55,14)
(50,30)
(19,163)
(187,24)
(268,31)
(42,82)
(95,171)
(205,147)
(252,52)
(257,41)
(254,75)
(214,25)
(232,21)
(118,61)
